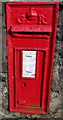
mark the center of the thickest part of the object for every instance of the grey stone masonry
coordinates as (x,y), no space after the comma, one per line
(0,37)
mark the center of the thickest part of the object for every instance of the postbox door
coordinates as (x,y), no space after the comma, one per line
(30,70)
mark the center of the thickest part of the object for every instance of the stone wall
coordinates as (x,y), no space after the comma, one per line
(56,106)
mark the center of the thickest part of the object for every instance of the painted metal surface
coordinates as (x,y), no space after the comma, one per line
(31,36)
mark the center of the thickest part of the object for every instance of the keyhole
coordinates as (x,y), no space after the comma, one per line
(24,84)
(17,101)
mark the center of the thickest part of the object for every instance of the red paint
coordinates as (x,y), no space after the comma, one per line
(31,26)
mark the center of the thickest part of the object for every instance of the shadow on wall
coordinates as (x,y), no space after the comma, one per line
(4,41)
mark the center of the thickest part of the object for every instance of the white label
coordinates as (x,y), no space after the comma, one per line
(29,64)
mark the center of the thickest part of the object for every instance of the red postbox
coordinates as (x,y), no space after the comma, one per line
(31,36)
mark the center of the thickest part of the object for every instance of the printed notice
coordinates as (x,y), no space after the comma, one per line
(29,64)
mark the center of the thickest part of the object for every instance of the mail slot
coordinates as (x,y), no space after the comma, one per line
(31,36)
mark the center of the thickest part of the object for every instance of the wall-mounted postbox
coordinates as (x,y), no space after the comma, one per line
(31,34)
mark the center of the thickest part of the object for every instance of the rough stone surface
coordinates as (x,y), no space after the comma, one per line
(56,100)
(0,37)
